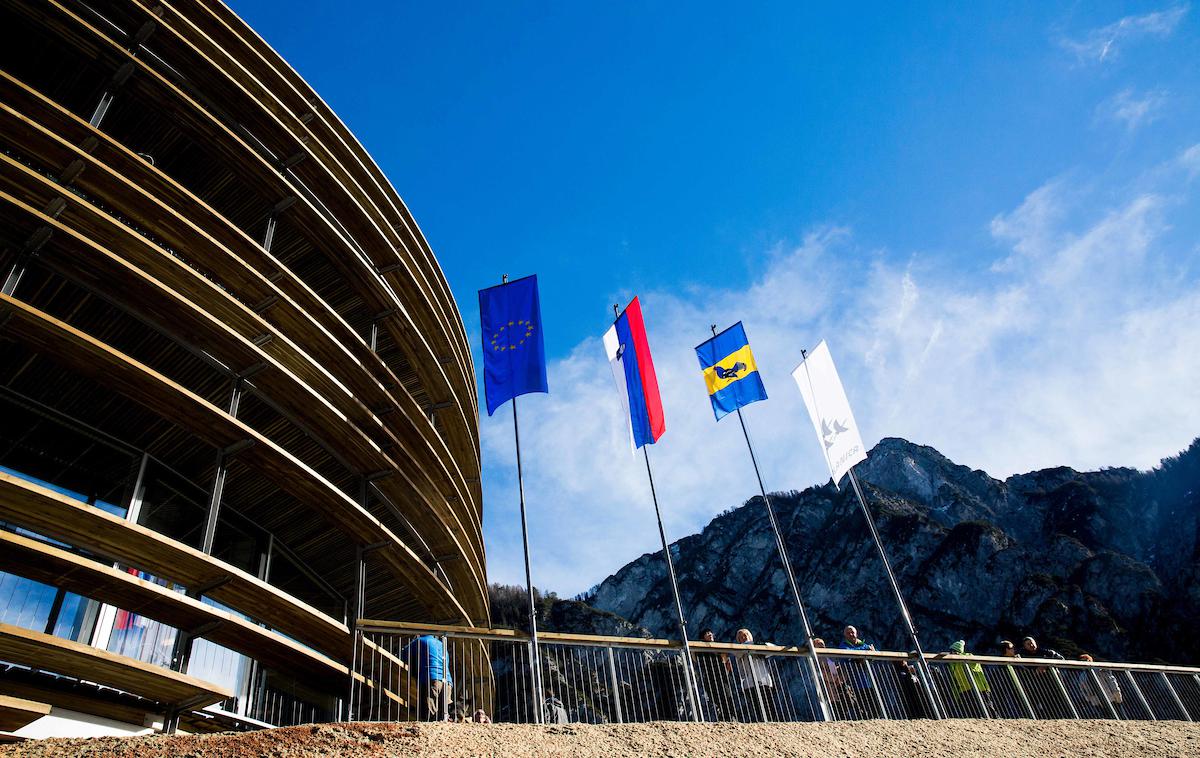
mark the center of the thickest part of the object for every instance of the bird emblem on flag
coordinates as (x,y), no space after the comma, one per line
(731,372)
(829,433)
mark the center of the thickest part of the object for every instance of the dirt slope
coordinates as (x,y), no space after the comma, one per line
(915,739)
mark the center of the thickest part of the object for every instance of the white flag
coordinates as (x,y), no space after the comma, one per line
(836,430)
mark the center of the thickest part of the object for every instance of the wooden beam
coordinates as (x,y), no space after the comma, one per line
(16,712)
(86,663)
(52,565)
(56,515)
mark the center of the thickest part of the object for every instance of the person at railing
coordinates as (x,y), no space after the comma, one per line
(755,677)
(963,675)
(910,690)
(859,678)
(835,683)
(1030,649)
(1110,690)
(851,640)
(1041,686)
(426,655)
(713,671)
(1012,706)
(553,710)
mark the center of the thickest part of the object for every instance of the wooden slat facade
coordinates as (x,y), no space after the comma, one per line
(205,272)
(55,515)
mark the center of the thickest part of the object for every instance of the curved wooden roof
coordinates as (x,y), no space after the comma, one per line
(154,221)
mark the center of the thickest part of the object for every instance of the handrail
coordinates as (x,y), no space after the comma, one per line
(767,649)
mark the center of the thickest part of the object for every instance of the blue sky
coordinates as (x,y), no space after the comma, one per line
(990,214)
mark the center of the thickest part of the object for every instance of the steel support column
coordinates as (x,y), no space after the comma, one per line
(219,473)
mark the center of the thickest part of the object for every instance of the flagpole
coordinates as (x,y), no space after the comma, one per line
(780,545)
(689,674)
(535,667)
(922,664)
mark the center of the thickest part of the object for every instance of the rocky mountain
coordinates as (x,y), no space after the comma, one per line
(510,610)
(1103,561)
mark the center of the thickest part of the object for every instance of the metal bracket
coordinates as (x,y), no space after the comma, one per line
(237,447)
(266,304)
(71,172)
(37,240)
(373,547)
(250,371)
(208,586)
(290,161)
(284,204)
(143,33)
(205,629)
(388,268)
(121,75)
(262,339)
(191,703)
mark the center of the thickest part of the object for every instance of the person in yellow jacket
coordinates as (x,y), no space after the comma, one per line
(962,674)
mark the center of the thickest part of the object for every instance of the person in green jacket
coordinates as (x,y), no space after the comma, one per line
(962,674)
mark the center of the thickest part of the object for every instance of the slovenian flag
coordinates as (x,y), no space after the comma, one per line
(633,370)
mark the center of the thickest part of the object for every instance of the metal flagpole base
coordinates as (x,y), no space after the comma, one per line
(823,697)
(926,674)
(535,663)
(693,693)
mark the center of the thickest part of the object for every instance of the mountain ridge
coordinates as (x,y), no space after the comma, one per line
(1103,561)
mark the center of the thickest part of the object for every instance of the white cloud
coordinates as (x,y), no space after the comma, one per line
(1104,44)
(1133,110)
(1076,350)
(1190,160)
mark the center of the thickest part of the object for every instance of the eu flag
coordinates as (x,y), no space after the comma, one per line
(514,356)
(730,373)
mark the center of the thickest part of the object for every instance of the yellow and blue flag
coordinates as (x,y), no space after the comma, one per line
(514,356)
(730,373)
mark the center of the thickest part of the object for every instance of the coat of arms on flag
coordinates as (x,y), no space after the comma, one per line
(730,373)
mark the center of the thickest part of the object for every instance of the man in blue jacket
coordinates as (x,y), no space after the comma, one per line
(864,703)
(427,664)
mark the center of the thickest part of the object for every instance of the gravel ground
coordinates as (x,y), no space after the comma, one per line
(920,739)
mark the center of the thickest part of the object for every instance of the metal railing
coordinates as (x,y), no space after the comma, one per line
(594,679)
